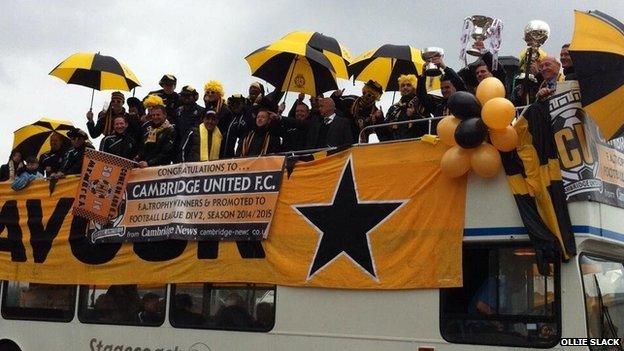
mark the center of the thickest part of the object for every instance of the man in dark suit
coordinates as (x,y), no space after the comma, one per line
(328,130)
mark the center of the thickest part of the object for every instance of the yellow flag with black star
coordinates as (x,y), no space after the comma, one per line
(367,217)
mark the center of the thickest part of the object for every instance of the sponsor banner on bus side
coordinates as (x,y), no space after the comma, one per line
(219,200)
(591,167)
(369,217)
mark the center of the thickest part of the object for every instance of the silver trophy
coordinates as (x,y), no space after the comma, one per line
(536,33)
(431,69)
(479,33)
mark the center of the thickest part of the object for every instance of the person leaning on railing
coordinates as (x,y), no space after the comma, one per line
(120,142)
(72,160)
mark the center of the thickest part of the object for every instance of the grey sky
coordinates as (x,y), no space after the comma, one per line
(198,41)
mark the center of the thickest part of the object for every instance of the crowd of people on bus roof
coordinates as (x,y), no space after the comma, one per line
(171,127)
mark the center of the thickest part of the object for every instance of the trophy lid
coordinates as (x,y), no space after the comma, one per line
(536,32)
(481,21)
(431,51)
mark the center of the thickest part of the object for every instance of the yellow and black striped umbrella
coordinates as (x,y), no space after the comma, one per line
(34,139)
(96,71)
(385,64)
(335,52)
(293,66)
(597,50)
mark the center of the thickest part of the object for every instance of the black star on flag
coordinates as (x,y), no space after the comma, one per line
(344,225)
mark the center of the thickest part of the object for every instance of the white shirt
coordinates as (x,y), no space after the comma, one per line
(329,119)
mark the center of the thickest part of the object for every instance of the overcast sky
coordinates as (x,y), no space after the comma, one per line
(198,41)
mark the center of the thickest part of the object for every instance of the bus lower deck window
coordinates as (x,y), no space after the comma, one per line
(142,305)
(249,307)
(45,302)
(504,301)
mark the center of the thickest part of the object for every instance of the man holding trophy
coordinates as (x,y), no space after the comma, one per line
(481,28)
(450,82)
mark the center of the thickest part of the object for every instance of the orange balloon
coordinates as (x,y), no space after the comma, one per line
(490,88)
(504,139)
(446,130)
(455,162)
(485,160)
(498,113)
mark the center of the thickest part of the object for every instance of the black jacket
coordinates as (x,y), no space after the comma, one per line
(188,147)
(185,119)
(234,127)
(256,139)
(337,133)
(294,133)
(357,119)
(72,161)
(122,145)
(52,159)
(5,173)
(159,152)
(398,113)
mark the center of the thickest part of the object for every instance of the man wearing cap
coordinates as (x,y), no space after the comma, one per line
(158,143)
(186,117)
(120,143)
(104,125)
(236,127)
(72,161)
(204,143)
(361,110)
(167,93)
(256,92)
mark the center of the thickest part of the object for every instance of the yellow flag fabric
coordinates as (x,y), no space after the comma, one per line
(369,217)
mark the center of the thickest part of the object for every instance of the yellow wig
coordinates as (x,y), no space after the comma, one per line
(410,78)
(214,85)
(153,100)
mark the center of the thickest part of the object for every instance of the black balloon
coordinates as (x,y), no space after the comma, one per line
(464,105)
(470,133)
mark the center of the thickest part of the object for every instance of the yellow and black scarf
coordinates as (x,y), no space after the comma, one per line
(152,133)
(209,150)
(248,140)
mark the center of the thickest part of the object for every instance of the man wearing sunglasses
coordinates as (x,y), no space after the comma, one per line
(361,111)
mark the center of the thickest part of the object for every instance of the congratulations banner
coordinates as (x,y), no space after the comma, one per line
(592,168)
(370,217)
(102,183)
(219,200)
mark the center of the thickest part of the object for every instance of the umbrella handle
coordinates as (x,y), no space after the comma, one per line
(292,71)
(92,94)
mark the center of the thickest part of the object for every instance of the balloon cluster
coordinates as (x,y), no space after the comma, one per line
(468,127)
